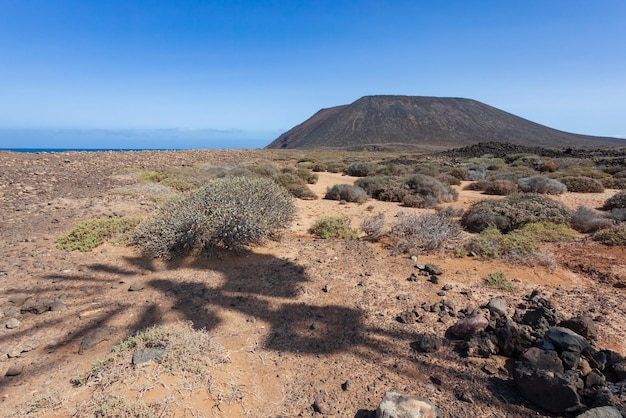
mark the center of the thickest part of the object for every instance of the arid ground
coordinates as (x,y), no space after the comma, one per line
(298,327)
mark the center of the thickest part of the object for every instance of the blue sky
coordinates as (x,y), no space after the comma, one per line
(239,73)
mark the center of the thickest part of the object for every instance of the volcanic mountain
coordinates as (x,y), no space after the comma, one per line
(388,122)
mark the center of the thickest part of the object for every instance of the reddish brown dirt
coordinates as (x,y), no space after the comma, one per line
(298,318)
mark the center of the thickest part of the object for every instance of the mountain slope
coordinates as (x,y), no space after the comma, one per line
(431,122)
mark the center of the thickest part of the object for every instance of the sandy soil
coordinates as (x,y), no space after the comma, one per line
(302,320)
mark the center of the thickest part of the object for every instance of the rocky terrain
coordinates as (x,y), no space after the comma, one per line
(427,123)
(298,327)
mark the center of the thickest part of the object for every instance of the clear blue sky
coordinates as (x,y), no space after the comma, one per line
(249,70)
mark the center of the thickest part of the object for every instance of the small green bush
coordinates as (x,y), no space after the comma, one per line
(87,235)
(613,236)
(153,176)
(431,189)
(582,184)
(231,212)
(492,244)
(347,192)
(544,231)
(385,188)
(617,201)
(334,227)
(179,184)
(500,280)
(307,176)
(361,169)
(541,184)
(513,212)
(422,233)
(587,220)
(295,186)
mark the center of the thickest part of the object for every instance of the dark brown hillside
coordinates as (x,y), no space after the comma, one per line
(428,122)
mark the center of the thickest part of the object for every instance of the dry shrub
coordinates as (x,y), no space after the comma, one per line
(361,169)
(541,184)
(414,201)
(513,212)
(501,188)
(231,212)
(346,192)
(581,184)
(307,176)
(617,201)
(373,226)
(479,185)
(448,179)
(587,220)
(422,233)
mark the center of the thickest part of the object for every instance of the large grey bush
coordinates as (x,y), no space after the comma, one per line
(231,212)
(541,184)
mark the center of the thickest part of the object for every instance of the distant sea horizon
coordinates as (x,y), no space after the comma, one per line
(49,150)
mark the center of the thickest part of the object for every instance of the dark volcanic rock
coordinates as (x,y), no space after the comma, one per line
(480,345)
(543,359)
(582,325)
(601,412)
(467,326)
(550,390)
(427,343)
(566,339)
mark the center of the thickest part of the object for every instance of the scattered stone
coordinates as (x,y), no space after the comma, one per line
(95,337)
(18,298)
(570,359)
(396,405)
(466,326)
(13,323)
(412,277)
(466,397)
(447,287)
(134,287)
(346,386)
(490,369)
(407,317)
(419,266)
(482,345)
(322,406)
(582,325)
(619,369)
(58,306)
(326,288)
(433,269)
(15,369)
(548,389)
(496,306)
(566,339)
(601,412)
(146,355)
(433,279)
(594,378)
(37,305)
(427,343)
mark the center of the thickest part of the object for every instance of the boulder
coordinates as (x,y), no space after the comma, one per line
(566,339)
(601,412)
(466,326)
(549,390)
(396,405)
(543,359)
(497,306)
(582,325)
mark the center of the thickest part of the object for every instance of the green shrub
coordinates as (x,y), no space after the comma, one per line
(544,231)
(422,233)
(346,192)
(153,176)
(385,188)
(265,170)
(500,280)
(87,235)
(319,167)
(295,186)
(614,236)
(334,227)
(617,201)
(307,176)
(587,220)
(431,189)
(178,184)
(361,169)
(513,212)
(231,213)
(336,166)
(373,226)
(541,184)
(458,172)
(501,188)
(493,244)
(582,184)
(448,179)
